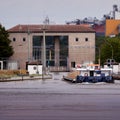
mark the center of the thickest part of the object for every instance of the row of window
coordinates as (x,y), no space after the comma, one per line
(24,39)
(77,39)
(14,39)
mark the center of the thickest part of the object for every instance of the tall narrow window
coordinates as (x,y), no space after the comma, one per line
(86,39)
(37,50)
(73,64)
(24,39)
(76,39)
(14,39)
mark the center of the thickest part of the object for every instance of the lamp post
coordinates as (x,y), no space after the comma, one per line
(44,48)
(99,60)
(98,54)
(46,22)
(44,52)
(28,32)
(111,47)
(112,54)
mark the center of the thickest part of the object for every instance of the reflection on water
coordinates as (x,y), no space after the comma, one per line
(57,85)
(46,84)
(55,99)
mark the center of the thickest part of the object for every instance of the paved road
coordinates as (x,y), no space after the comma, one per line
(59,100)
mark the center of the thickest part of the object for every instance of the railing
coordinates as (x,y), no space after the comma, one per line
(58,69)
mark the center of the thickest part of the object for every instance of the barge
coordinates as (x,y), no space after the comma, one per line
(90,74)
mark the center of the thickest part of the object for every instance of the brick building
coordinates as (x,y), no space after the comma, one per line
(66,45)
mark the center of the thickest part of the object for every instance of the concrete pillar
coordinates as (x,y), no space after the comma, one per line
(42,52)
(1,65)
(57,52)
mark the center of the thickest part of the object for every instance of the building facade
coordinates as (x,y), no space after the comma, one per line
(112,27)
(66,45)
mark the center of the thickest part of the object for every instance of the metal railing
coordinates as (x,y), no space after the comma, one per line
(58,69)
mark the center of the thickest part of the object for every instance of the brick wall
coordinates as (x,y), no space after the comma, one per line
(81,47)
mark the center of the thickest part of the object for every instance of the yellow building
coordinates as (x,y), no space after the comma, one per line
(112,27)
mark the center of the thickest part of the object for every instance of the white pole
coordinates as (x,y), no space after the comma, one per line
(28,45)
(1,62)
(44,53)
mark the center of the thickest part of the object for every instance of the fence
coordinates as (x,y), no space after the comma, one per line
(58,69)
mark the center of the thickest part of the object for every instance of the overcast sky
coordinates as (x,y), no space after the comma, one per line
(13,12)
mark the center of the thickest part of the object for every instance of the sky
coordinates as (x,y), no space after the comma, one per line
(14,12)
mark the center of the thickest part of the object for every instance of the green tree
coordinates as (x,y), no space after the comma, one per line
(5,49)
(98,43)
(110,49)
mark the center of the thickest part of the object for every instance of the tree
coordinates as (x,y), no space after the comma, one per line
(98,43)
(110,49)
(5,49)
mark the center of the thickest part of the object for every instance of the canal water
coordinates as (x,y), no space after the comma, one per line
(55,99)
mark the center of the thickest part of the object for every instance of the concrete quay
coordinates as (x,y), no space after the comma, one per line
(116,76)
(23,77)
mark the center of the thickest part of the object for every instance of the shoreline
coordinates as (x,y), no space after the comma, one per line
(22,78)
(116,76)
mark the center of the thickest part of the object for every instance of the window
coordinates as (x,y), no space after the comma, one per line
(86,39)
(14,39)
(76,39)
(73,64)
(24,39)
(34,68)
(63,50)
(37,40)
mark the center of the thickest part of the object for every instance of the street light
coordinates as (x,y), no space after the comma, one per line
(28,32)
(112,60)
(110,46)
(29,55)
(44,48)
(99,60)
(98,55)
(44,51)
(46,22)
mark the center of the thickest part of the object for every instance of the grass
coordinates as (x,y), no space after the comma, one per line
(11,73)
